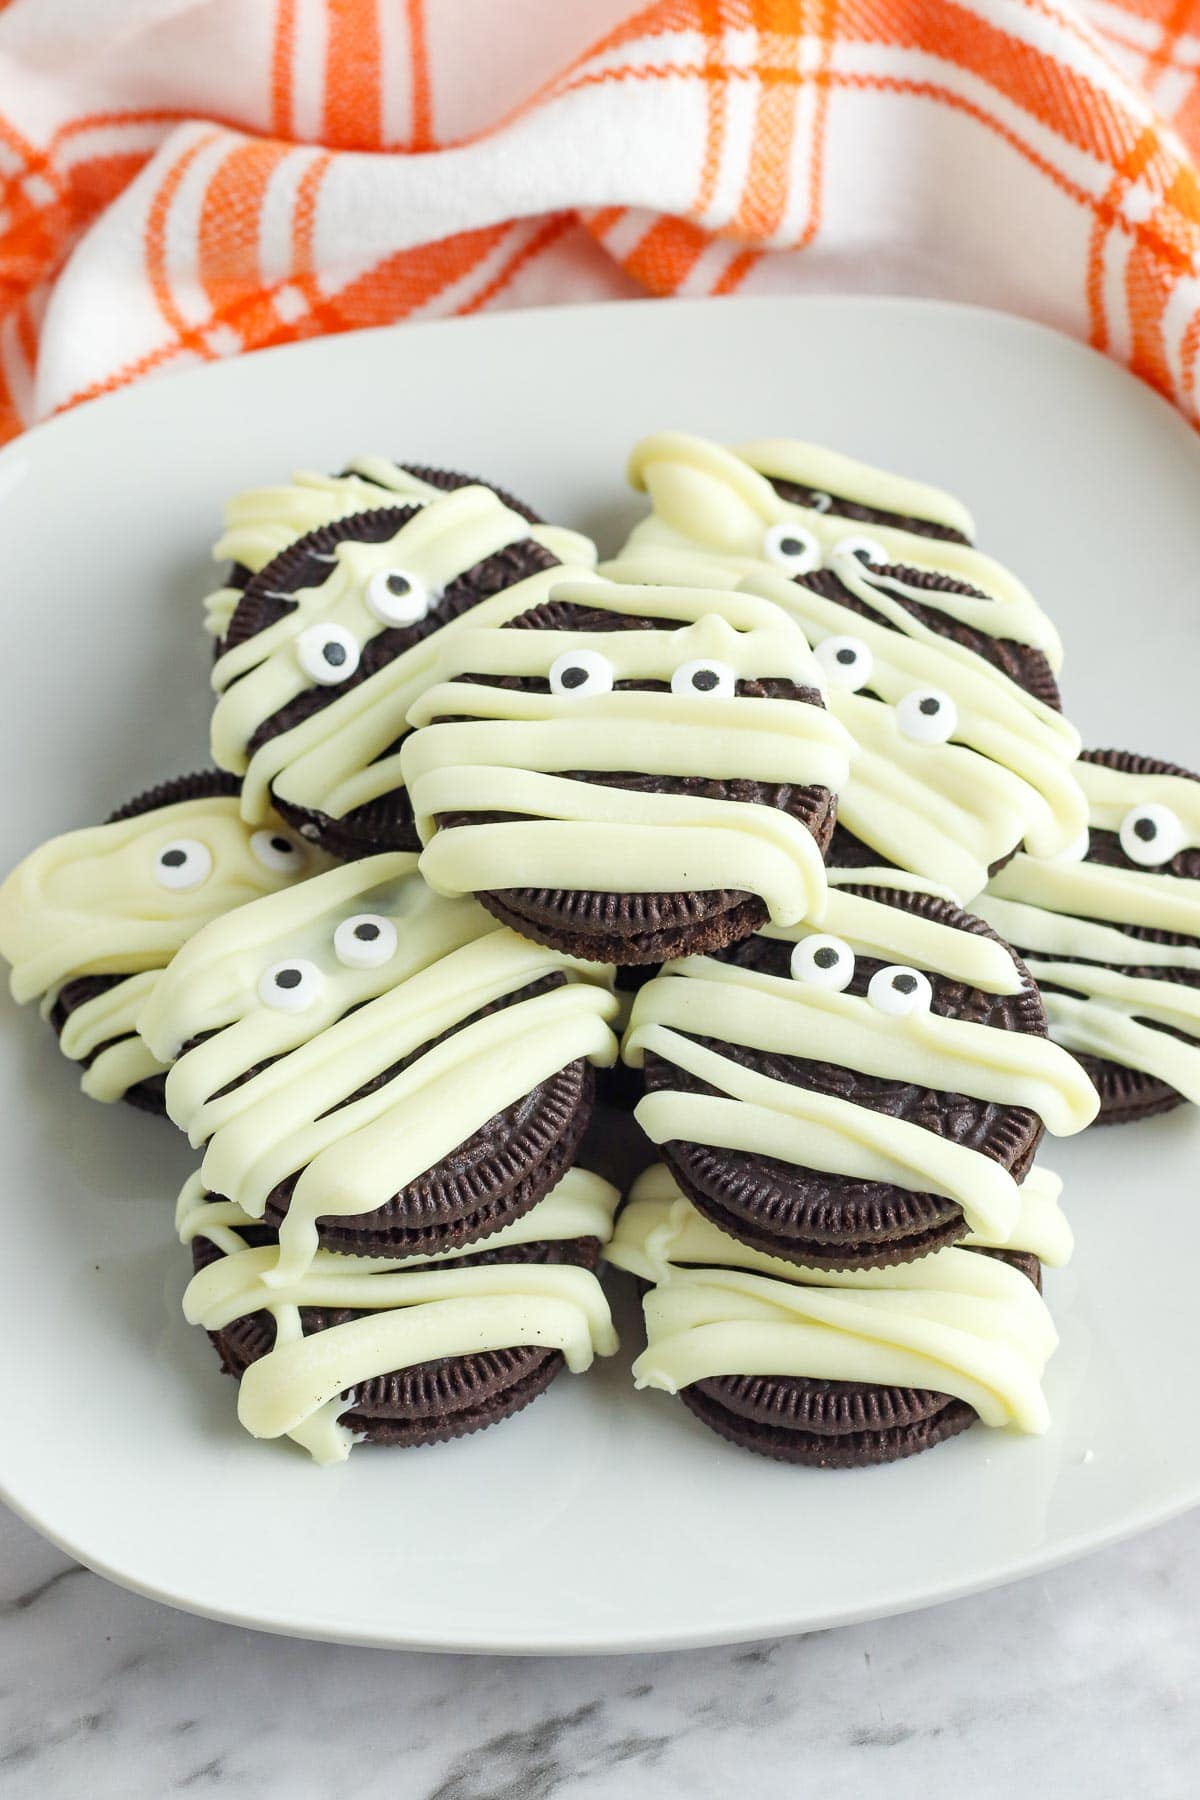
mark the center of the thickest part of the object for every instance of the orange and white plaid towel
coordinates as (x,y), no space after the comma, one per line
(187,179)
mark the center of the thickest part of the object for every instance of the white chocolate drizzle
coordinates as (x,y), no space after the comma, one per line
(270,1088)
(341,756)
(508,752)
(955,1322)
(409,1310)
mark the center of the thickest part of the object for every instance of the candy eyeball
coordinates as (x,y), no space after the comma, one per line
(328,654)
(290,986)
(278,851)
(927,716)
(578,674)
(792,548)
(862,549)
(824,962)
(398,597)
(899,991)
(706,676)
(183,864)
(847,661)
(1151,835)
(365,941)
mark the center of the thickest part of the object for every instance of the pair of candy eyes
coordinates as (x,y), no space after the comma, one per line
(186,862)
(927,715)
(329,654)
(580,674)
(828,962)
(366,941)
(799,552)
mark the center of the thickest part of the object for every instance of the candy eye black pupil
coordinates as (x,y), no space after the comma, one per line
(366,932)
(791,546)
(281,845)
(288,978)
(173,859)
(334,653)
(826,958)
(705,680)
(905,984)
(574,677)
(399,584)
(1145,829)
(864,555)
(929,706)
(847,656)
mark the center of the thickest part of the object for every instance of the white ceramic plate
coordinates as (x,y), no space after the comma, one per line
(599,1519)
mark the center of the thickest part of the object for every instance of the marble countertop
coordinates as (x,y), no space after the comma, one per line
(1080,1682)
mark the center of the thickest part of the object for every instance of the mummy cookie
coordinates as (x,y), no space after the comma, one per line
(860,1093)
(628,773)
(89,920)
(400,1350)
(1112,934)
(260,522)
(935,658)
(330,643)
(842,1370)
(375,1070)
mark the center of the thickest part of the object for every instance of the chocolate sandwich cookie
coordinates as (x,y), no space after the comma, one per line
(856,1369)
(90,919)
(628,774)
(535,1280)
(915,1123)
(375,1070)
(936,658)
(330,643)
(1112,934)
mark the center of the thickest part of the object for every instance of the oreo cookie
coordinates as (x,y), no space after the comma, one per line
(655,764)
(412,1384)
(1112,934)
(960,758)
(916,1123)
(879,1365)
(329,643)
(89,919)
(376,1071)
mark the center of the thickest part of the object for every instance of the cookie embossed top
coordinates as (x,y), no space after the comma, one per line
(859,1094)
(1111,933)
(629,773)
(331,641)
(939,661)
(376,1069)
(840,1369)
(90,918)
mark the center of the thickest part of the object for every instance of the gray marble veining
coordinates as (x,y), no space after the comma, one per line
(1080,1683)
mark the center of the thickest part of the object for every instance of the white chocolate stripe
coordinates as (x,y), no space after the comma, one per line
(108,1015)
(1041,1228)
(1096,891)
(894,935)
(765,1117)
(1039,932)
(615,840)
(958,1056)
(1098,1028)
(118,1068)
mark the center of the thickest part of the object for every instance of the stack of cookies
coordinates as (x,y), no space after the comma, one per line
(778,808)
